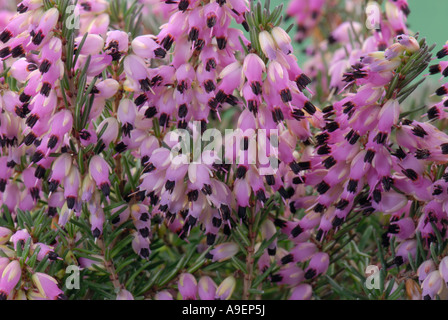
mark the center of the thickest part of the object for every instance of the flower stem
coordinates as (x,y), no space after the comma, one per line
(248,277)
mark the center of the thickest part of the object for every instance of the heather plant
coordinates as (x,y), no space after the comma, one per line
(163,149)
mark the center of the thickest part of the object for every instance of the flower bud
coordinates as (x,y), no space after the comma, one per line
(20,237)
(87,188)
(93,44)
(223,251)
(106,89)
(394,51)
(47,286)
(409,42)
(226,288)
(64,215)
(110,133)
(403,228)
(99,171)
(268,230)
(301,292)
(20,70)
(187,286)
(61,169)
(206,288)
(44,250)
(96,220)
(61,124)
(425,269)
(124,294)
(5,234)
(117,41)
(443,269)
(318,264)
(282,39)
(47,23)
(140,245)
(72,183)
(388,115)
(163,295)
(146,47)
(3,263)
(432,285)
(403,250)
(413,290)
(88,263)
(127,112)
(9,279)
(267,45)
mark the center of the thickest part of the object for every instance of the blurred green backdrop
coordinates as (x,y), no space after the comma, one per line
(429,17)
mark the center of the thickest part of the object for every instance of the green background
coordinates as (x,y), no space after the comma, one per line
(429,17)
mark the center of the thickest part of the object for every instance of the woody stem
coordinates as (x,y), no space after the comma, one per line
(247,284)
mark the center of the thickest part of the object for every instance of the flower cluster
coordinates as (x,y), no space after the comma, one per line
(204,289)
(19,281)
